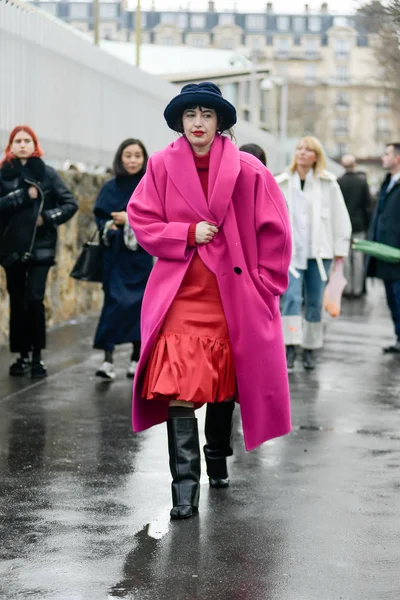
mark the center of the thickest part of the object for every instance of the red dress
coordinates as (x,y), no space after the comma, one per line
(192,357)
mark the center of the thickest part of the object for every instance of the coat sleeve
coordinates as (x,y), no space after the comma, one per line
(341,224)
(274,240)
(14,201)
(146,215)
(367,204)
(66,203)
(100,214)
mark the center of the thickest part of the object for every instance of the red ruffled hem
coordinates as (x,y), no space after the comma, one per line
(191,368)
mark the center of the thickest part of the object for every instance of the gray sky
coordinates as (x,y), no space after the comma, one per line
(335,6)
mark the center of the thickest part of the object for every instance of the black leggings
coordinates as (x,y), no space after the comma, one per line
(26,285)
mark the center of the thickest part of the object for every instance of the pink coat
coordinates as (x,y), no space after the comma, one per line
(249,256)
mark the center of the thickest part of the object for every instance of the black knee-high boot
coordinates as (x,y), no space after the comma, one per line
(184,462)
(218,429)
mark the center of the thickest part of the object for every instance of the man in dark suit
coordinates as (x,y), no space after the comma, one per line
(357,196)
(385,228)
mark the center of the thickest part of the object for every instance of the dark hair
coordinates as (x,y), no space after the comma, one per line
(221,128)
(118,167)
(396,146)
(256,151)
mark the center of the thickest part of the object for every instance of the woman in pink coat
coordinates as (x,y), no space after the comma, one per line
(211,328)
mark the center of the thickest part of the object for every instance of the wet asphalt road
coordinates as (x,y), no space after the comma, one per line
(84,503)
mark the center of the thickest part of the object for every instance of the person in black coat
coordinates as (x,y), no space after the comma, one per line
(385,228)
(127,266)
(34,200)
(356,194)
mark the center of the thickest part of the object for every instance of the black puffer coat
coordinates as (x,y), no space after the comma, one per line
(20,239)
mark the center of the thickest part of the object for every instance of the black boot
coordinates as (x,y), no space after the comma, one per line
(184,462)
(290,356)
(21,366)
(308,360)
(218,429)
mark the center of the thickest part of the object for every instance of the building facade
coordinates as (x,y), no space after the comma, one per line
(335,87)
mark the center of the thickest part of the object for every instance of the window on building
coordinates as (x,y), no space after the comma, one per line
(310,73)
(78,11)
(283,23)
(50,7)
(197,21)
(182,21)
(298,24)
(198,41)
(314,23)
(246,115)
(309,127)
(230,92)
(312,46)
(310,99)
(227,43)
(255,22)
(340,149)
(342,100)
(166,40)
(108,11)
(382,102)
(342,73)
(168,18)
(383,125)
(247,92)
(342,48)
(283,47)
(226,19)
(341,126)
(341,22)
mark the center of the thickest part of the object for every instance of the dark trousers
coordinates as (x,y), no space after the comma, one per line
(26,285)
(393,300)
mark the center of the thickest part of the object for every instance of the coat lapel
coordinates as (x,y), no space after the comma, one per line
(224,171)
(179,163)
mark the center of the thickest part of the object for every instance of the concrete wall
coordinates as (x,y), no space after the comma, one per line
(80,100)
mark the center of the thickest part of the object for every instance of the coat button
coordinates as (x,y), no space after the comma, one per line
(237,270)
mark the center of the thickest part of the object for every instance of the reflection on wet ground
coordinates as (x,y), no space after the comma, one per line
(84,503)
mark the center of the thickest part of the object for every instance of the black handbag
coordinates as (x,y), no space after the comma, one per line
(89,264)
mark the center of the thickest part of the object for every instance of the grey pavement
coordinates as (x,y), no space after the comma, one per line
(84,502)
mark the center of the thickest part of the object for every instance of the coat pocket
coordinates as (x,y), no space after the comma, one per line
(270,300)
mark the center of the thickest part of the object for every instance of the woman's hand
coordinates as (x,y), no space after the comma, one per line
(33,193)
(205,232)
(119,218)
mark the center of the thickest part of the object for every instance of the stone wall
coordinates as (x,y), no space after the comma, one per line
(66,298)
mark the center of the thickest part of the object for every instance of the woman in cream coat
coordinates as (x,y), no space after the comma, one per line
(321,231)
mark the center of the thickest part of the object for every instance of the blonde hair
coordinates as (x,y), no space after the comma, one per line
(315,145)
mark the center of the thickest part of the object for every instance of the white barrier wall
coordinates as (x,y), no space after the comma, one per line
(80,100)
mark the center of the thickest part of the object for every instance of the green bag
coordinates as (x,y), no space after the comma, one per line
(380,251)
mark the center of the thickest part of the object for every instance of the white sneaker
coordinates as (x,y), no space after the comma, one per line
(106,371)
(132,369)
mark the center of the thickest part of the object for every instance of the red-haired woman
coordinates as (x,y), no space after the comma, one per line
(33,202)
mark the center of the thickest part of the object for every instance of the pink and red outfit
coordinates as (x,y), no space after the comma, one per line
(204,305)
